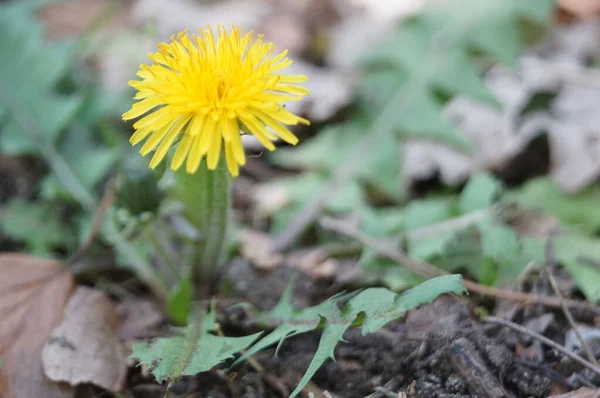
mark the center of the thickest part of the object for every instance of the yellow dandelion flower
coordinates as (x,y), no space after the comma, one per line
(207,91)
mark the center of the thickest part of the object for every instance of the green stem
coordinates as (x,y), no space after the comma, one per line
(206,199)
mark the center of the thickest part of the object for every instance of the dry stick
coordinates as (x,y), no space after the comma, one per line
(430,271)
(545,340)
(550,266)
(105,203)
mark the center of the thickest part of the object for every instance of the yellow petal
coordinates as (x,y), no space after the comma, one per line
(195,156)
(182,150)
(168,141)
(290,88)
(206,135)
(139,135)
(231,163)
(214,152)
(284,116)
(155,138)
(259,132)
(234,128)
(153,120)
(238,148)
(292,78)
(139,108)
(280,130)
(196,124)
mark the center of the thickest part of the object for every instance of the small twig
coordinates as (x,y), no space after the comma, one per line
(430,271)
(550,266)
(452,224)
(544,340)
(105,203)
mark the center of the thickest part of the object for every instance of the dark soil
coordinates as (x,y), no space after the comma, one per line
(439,350)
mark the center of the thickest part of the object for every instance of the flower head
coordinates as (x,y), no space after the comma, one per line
(205,91)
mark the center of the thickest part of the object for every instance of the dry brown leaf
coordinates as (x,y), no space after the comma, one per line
(499,136)
(138,318)
(74,17)
(85,347)
(256,248)
(33,294)
(315,262)
(581,8)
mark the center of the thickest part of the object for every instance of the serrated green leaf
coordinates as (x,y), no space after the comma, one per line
(195,351)
(379,306)
(579,210)
(481,192)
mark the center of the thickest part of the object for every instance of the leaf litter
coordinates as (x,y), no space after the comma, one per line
(84,347)
(364,364)
(33,294)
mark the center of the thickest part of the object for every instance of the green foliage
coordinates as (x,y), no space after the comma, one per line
(371,309)
(39,225)
(91,162)
(580,256)
(195,350)
(472,233)
(404,86)
(30,76)
(579,210)
(179,301)
(481,191)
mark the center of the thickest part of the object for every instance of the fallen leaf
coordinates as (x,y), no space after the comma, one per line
(557,71)
(33,294)
(256,248)
(182,14)
(581,8)
(73,18)
(138,317)
(446,314)
(286,30)
(315,262)
(85,348)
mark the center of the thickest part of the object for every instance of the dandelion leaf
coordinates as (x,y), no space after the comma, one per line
(195,350)
(372,308)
